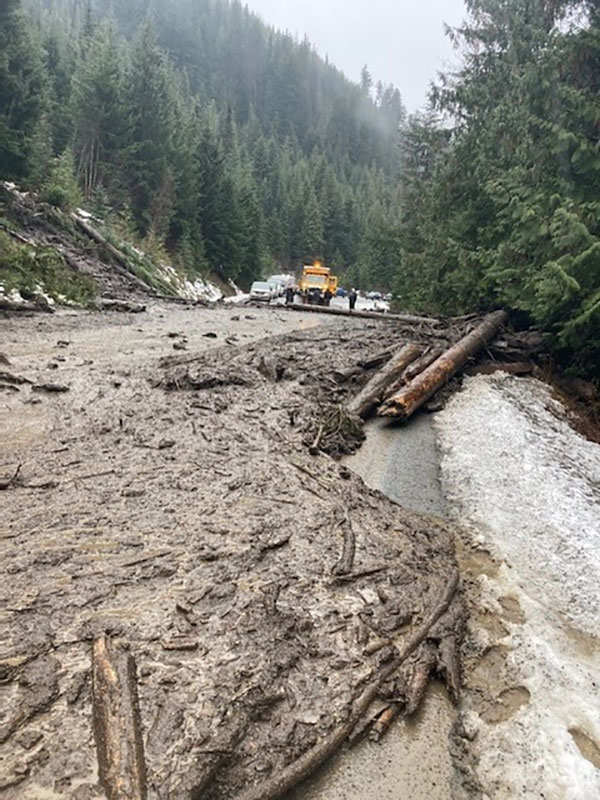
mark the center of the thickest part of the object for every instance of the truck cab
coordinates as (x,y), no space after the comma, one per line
(316,281)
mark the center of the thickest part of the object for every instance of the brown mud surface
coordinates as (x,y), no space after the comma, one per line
(167,499)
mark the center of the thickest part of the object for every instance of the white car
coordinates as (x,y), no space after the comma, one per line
(276,287)
(260,290)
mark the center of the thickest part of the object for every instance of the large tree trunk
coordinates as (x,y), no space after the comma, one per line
(117,725)
(409,319)
(414,369)
(118,256)
(372,393)
(403,404)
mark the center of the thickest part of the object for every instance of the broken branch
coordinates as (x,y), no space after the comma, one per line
(117,725)
(300,769)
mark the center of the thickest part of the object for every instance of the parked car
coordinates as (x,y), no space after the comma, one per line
(388,297)
(276,287)
(341,292)
(374,296)
(260,290)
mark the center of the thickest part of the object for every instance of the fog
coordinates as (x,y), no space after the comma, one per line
(402,43)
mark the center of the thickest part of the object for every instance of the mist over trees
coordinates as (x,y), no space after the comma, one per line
(234,146)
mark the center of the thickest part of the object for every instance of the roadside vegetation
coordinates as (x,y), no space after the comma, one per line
(500,179)
(37,271)
(228,145)
(219,145)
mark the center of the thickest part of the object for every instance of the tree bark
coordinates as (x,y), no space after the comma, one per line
(413,370)
(117,725)
(403,404)
(409,319)
(342,375)
(372,393)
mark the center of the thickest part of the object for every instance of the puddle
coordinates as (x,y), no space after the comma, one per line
(587,746)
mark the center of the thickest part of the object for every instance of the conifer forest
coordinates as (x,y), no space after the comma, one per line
(237,149)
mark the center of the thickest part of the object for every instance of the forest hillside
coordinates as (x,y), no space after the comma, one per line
(220,145)
(200,129)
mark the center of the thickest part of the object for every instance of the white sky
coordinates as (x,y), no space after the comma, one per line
(402,42)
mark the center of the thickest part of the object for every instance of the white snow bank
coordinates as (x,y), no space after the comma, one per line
(529,486)
(201,290)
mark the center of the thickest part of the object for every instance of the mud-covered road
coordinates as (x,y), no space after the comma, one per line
(159,491)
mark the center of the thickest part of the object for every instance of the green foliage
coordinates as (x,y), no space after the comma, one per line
(230,145)
(503,209)
(30,270)
(22,90)
(61,188)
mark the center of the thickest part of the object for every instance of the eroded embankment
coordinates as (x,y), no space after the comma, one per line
(266,596)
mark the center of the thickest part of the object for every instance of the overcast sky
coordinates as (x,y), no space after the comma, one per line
(402,42)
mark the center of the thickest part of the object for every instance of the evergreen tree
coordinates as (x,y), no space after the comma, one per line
(151,100)
(510,214)
(99,112)
(22,90)
(231,144)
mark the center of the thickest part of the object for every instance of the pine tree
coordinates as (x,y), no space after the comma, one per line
(151,100)
(22,90)
(99,112)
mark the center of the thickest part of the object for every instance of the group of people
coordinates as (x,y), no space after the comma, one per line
(290,294)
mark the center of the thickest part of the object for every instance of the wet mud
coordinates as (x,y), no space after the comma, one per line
(414,759)
(168,501)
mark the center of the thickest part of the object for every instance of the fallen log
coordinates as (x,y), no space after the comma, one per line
(372,394)
(512,367)
(304,766)
(342,375)
(414,369)
(26,305)
(118,256)
(126,306)
(117,725)
(403,404)
(409,319)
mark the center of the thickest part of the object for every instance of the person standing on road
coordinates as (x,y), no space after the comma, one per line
(327,297)
(352,299)
(289,295)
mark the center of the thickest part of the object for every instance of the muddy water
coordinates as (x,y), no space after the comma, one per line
(413,760)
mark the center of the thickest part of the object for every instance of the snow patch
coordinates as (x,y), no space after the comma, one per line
(86,216)
(515,472)
(201,290)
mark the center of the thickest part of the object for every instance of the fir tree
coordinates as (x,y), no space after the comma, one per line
(22,90)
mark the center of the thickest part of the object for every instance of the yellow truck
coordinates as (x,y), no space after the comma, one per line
(317,285)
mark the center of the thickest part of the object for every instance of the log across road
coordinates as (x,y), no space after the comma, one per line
(409,319)
(412,396)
